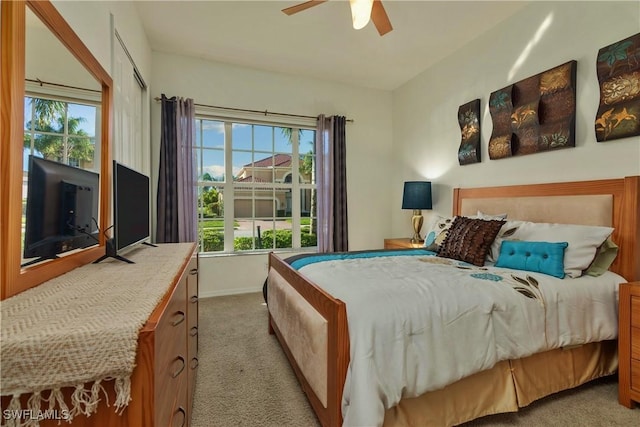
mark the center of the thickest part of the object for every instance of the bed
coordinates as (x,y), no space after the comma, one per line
(312,324)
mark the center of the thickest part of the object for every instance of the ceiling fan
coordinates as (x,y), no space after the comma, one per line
(361,12)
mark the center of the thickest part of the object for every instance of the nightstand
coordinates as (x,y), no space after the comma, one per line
(401,243)
(629,344)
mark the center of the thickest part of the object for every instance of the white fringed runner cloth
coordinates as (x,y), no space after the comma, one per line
(81,329)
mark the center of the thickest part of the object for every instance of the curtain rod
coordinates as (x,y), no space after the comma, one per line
(244,110)
(40,82)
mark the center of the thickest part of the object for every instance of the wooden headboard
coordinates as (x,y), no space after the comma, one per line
(611,202)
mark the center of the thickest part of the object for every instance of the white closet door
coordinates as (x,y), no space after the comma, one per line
(128,145)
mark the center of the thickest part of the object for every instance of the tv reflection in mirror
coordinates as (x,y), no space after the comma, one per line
(61,211)
(130,212)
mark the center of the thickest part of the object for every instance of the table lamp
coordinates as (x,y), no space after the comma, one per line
(416,196)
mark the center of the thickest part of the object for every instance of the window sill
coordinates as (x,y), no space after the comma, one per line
(253,253)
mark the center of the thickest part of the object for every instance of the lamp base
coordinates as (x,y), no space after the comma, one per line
(417,219)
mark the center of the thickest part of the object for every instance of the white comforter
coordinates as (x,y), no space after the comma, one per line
(418,323)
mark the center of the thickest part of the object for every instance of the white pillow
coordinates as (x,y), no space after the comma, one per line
(482,215)
(505,233)
(583,240)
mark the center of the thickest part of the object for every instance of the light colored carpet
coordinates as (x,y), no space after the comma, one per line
(244,379)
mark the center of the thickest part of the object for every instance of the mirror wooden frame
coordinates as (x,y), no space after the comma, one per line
(13,277)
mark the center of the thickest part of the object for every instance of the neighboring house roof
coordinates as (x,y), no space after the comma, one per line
(281,160)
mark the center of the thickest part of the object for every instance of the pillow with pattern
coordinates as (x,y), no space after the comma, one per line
(469,239)
(436,232)
(506,233)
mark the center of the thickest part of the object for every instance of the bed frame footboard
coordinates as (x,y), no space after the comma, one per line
(334,312)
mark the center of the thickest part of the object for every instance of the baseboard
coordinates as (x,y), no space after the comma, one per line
(225,292)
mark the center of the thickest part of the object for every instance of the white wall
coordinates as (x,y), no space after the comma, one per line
(369,169)
(91,20)
(426,135)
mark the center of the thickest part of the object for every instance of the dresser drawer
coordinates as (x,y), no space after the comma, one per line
(171,332)
(635,311)
(635,375)
(180,410)
(171,340)
(629,344)
(192,345)
(177,412)
(635,343)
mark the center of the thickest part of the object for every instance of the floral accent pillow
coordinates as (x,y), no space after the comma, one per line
(437,233)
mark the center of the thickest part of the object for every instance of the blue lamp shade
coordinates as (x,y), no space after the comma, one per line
(417,195)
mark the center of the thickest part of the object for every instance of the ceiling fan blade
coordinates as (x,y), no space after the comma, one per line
(380,18)
(302,6)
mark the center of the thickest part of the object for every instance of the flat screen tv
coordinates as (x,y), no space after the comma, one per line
(131,225)
(61,211)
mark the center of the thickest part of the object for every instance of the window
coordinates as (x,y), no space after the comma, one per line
(61,131)
(256,186)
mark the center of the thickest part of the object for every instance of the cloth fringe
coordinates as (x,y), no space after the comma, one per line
(33,405)
(123,393)
(84,401)
(14,405)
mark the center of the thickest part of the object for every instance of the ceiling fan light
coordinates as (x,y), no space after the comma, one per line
(360,12)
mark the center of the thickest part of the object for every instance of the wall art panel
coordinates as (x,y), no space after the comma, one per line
(618,68)
(536,114)
(469,121)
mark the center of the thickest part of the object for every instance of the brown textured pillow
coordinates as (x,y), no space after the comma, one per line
(469,239)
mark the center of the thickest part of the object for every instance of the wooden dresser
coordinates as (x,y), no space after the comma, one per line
(167,360)
(163,381)
(629,345)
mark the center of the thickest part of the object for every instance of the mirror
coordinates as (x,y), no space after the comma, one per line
(58,98)
(61,124)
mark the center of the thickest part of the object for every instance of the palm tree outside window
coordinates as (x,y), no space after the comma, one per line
(60,131)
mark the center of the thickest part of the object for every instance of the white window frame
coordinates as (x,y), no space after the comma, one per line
(228,186)
(68,96)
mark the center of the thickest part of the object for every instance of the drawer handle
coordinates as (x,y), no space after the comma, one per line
(194,363)
(194,331)
(193,271)
(184,415)
(179,371)
(194,298)
(178,320)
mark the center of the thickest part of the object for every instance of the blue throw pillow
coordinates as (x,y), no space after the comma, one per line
(540,257)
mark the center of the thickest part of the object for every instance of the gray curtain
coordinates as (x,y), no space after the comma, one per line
(331,178)
(176,177)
